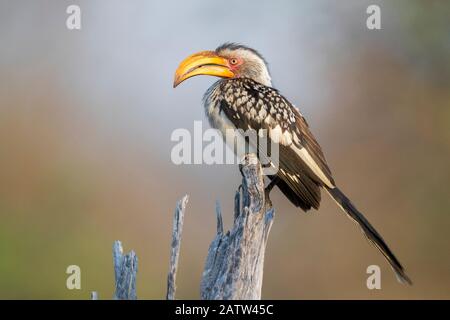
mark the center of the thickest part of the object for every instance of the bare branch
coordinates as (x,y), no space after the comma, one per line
(175,246)
(125,269)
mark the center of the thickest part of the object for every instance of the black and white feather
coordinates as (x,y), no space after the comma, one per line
(249,102)
(245,104)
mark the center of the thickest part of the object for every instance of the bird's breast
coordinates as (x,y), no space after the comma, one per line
(233,136)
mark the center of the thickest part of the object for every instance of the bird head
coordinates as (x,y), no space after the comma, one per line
(227,61)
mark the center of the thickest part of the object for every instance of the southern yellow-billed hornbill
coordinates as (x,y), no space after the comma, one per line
(244,99)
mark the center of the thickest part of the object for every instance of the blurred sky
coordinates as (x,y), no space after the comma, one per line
(86,118)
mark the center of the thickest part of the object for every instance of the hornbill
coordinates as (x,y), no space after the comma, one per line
(244,99)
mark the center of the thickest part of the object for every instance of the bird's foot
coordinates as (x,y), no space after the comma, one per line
(267,190)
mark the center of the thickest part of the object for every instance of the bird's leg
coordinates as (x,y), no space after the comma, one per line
(267,190)
(271,184)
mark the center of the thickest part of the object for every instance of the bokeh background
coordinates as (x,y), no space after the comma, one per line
(86,118)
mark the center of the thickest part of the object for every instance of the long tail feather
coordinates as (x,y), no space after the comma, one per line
(370,232)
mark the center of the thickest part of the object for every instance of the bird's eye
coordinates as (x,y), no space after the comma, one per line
(233,61)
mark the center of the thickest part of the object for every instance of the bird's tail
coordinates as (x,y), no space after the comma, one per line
(370,232)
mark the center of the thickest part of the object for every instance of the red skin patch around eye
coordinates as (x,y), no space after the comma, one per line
(235,67)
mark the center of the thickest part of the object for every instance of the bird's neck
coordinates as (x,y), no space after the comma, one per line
(263,77)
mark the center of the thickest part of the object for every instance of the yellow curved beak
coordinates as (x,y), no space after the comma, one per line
(202,63)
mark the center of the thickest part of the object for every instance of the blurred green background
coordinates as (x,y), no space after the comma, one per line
(86,118)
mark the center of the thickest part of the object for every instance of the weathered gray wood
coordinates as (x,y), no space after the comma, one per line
(177,230)
(235,261)
(125,269)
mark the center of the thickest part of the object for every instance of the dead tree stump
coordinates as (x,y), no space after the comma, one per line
(235,261)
